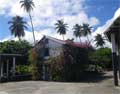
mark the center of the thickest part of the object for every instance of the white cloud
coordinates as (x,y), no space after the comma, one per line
(102,29)
(46,12)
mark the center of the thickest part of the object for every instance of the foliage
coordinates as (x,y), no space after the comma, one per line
(17,26)
(34,64)
(56,68)
(70,64)
(28,7)
(77,30)
(34,71)
(100,41)
(22,69)
(33,56)
(86,29)
(61,27)
(76,61)
(102,57)
(15,47)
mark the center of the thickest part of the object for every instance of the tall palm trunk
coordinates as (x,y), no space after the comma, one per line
(88,40)
(80,40)
(19,38)
(63,37)
(32,27)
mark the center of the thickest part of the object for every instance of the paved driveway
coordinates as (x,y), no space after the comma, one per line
(41,87)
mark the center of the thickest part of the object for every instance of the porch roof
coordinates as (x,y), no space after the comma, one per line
(11,55)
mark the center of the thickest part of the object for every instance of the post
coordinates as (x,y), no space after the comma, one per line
(7,68)
(117,53)
(13,66)
(1,69)
(114,59)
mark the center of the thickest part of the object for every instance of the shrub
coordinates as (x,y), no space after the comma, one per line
(102,58)
(34,64)
(23,69)
(56,68)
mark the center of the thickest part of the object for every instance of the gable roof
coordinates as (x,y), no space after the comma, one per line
(76,44)
(114,20)
(55,39)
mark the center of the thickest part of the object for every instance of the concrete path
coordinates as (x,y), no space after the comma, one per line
(40,87)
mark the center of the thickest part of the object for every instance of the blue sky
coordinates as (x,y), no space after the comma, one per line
(46,12)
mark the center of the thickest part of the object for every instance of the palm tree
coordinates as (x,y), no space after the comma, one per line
(17,26)
(99,40)
(86,30)
(77,31)
(28,7)
(61,27)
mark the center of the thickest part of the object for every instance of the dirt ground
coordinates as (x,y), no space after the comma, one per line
(103,86)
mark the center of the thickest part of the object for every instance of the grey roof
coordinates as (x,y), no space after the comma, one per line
(115,18)
(53,39)
(10,55)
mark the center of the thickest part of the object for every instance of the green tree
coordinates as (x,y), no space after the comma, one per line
(17,26)
(15,47)
(34,64)
(102,57)
(100,41)
(77,31)
(61,27)
(86,30)
(28,7)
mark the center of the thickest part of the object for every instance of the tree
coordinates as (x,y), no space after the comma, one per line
(15,47)
(102,57)
(77,31)
(28,7)
(86,30)
(99,40)
(17,26)
(61,27)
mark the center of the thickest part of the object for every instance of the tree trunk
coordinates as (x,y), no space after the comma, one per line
(88,40)
(19,39)
(63,37)
(80,40)
(32,27)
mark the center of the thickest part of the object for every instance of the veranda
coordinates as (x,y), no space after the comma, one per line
(8,65)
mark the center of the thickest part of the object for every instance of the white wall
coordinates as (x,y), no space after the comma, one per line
(55,48)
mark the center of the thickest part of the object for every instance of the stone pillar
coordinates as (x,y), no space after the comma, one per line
(114,59)
(13,66)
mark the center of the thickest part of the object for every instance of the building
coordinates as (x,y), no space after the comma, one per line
(8,66)
(52,47)
(113,34)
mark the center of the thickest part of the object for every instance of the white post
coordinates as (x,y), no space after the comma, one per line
(1,69)
(114,59)
(113,43)
(13,66)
